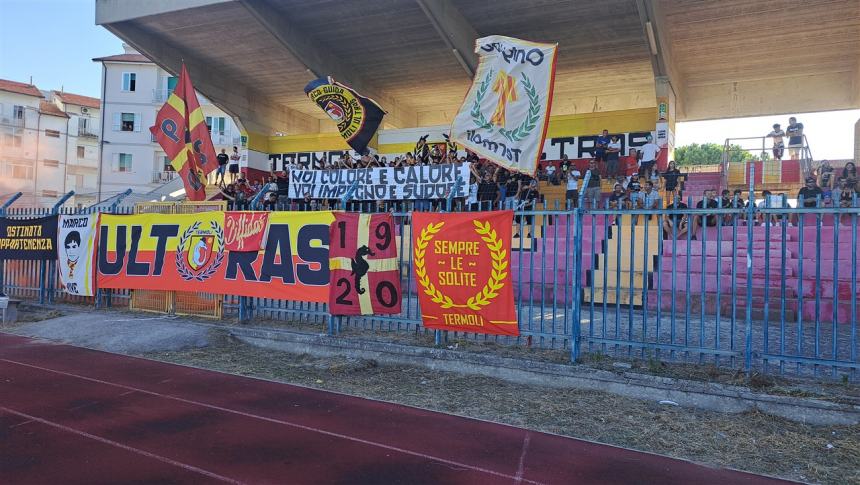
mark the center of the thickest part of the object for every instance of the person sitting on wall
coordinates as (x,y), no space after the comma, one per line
(650,198)
(634,192)
(826,177)
(777,136)
(676,224)
(708,202)
(809,193)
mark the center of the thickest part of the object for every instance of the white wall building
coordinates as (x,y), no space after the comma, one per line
(48,144)
(133,90)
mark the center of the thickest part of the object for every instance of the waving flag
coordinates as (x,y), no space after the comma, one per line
(505,114)
(180,129)
(357,117)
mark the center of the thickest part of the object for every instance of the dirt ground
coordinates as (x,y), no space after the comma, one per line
(752,441)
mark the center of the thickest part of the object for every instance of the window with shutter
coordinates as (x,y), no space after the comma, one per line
(127,121)
(117,121)
(138,120)
(129,81)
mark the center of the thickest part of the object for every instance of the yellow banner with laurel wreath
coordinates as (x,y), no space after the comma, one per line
(463,271)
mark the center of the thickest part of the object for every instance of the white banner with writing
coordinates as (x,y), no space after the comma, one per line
(389,183)
(76,238)
(504,116)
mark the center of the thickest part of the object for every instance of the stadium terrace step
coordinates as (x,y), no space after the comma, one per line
(824,313)
(774,285)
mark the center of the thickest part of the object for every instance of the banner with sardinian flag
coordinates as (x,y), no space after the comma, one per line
(506,111)
(180,128)
(357,117)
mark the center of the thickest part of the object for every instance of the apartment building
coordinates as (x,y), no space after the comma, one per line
(133,90)
(48,144)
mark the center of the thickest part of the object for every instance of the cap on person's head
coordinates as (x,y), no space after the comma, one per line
(776,125)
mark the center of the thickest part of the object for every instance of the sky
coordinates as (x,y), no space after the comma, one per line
(54,41)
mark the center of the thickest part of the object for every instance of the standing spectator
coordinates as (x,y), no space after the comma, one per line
(501,178)
(849,173)
(514,184)
(488,192)
(229,194)
(527,198)
(572,193)
(632,165)
(565,163)
(234,165)
(670,181)
(271,201)
(777,136)
(680,222)
(708,202)
(592,190)
(600,147)
(550,173)
(472,199)
(794,132)
(809,193)
(613,152)
(650,151)
(222,158)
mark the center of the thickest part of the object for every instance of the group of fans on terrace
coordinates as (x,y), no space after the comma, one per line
(494,187)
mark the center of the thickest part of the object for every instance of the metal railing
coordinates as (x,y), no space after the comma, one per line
(163,176)
(761,147)
(771,289)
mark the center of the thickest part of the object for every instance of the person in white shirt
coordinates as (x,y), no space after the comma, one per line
(650,151)
(613,151)
(550,173)
(234,165)
(572,194)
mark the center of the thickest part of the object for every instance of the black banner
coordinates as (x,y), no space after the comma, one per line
(28,238)
(357,117)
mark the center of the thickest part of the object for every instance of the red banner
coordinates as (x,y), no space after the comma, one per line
(245,231)
(463,271)
(363,267)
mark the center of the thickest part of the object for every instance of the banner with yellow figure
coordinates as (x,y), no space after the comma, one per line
(506,111)
(463,270)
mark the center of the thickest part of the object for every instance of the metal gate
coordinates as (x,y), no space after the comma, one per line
(178,302)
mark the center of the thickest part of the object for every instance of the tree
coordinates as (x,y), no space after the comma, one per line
(712,154)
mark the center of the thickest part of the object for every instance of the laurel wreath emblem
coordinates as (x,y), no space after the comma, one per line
(497,276)
(477,116)
(182,268)
(528,124)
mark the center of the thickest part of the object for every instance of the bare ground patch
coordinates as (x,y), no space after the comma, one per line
(754,442)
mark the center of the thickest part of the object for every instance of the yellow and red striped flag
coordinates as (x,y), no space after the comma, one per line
(180,129)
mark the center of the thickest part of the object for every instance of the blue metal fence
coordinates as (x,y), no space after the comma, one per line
(758,288)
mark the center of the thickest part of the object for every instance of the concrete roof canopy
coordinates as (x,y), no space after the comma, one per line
(415,57)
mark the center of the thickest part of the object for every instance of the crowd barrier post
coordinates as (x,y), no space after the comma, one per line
(3,214)
(576,324)
(748,344)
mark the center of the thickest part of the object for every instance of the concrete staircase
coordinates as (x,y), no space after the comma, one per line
(624,269)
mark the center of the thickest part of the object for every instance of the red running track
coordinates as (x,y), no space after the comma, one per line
(73,415)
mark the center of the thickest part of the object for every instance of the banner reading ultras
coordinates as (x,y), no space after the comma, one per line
(505,114)
(463,271)
(188,252)
(383,183)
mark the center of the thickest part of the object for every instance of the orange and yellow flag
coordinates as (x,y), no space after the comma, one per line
(180,128)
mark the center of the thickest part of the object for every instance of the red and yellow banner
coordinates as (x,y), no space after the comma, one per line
(189,252)
(365,274)
(245,230)
(463,271)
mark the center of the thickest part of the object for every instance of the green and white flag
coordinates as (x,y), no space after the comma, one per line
(505,114)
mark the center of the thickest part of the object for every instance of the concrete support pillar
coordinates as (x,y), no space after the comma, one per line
(665,122)
(857,142)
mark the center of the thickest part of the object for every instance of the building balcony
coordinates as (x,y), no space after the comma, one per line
(163,176)
(87,132)
(12,121)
